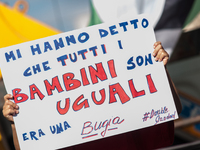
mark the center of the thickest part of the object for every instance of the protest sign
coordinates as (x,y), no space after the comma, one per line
(87,84)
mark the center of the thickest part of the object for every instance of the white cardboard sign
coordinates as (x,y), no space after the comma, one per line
(87,84)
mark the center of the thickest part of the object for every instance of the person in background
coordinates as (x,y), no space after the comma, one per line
(149,138)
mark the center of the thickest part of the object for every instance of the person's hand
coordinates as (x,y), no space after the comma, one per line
(159,53)
(10,109)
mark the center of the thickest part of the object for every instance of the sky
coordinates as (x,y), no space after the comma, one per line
(64,15)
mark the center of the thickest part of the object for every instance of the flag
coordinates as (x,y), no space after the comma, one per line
(167,16)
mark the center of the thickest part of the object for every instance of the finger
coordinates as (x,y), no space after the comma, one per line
(160,55)
(165,60)
(8,102)
(9,113)
(8,97)
(163,54)
(156,50)
(9,110)
(156,43)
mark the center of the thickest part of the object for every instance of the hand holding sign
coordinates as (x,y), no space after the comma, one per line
(10,109)
(159,53)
